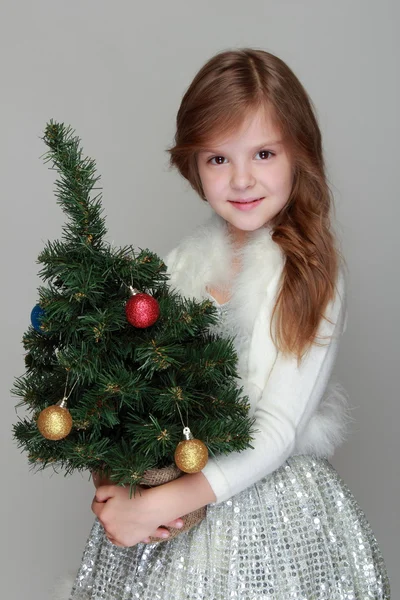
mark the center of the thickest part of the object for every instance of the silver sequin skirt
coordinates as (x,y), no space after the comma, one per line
(297,534)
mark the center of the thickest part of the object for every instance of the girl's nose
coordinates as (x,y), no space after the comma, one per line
(242,178)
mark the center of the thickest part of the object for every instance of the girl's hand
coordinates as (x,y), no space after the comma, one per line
(115,498)
(127,521)
(162,532)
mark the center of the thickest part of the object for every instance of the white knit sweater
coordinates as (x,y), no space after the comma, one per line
(297,409)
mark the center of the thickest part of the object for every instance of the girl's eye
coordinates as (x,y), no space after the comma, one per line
(267,154)
(215,158)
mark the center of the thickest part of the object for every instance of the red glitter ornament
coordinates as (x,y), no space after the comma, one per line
(142,310)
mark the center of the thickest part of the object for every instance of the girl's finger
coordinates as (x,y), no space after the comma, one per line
(177,523)
(161,532)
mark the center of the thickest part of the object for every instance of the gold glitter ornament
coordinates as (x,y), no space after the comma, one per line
(55,422)
(191,455)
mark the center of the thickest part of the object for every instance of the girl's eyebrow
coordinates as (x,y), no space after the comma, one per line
(268,143)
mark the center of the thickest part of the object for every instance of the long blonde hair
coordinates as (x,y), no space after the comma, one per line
(229,86)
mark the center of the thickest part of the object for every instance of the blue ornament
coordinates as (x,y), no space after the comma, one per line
(36,317)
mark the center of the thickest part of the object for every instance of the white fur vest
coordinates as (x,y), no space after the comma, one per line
(203,259)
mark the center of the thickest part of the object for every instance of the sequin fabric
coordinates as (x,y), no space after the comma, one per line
(297,534)
(219,327)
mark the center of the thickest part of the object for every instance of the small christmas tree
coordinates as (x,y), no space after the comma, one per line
(117,362)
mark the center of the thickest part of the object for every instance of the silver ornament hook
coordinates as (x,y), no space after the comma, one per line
(62,403)
(187,434)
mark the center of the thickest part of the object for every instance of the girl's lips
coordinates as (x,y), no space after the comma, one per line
(247,205)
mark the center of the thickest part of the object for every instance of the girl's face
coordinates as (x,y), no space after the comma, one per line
(250,165)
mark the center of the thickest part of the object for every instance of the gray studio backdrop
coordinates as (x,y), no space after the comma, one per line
(116,72)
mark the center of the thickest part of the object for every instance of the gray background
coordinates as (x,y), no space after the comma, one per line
(116,72)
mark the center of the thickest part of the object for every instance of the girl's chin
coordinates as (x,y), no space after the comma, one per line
(240,230)
(245,224)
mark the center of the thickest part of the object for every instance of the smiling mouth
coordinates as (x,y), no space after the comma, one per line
(247,205)
(245,201)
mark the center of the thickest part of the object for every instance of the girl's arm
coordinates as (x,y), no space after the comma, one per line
(128,521)
(288,401)
(184,495)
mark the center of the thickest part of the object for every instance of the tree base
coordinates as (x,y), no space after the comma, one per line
(155,477)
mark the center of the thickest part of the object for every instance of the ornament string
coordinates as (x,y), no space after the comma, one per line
(72,389)
(186,430)
(180,414)
(129,287)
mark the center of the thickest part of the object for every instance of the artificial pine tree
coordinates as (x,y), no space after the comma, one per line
(111,378)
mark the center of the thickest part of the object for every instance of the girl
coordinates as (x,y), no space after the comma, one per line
(280,522)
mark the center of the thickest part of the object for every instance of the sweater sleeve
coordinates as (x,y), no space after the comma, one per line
(290,397)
